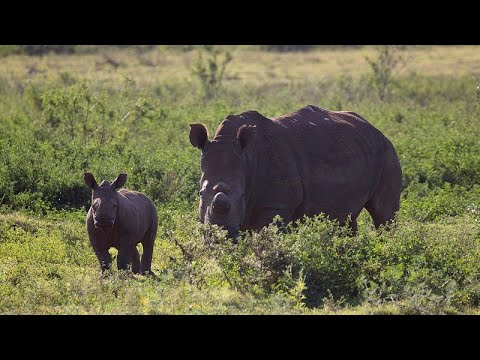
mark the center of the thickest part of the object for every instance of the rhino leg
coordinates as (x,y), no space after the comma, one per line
(351,221)
(385,201)
(147,254)
(135,261)
(266,215)
(146,265)
(382,207)
(101,250)
(124,258)
(105,260)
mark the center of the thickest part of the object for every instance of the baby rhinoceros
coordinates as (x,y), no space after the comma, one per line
(121,219)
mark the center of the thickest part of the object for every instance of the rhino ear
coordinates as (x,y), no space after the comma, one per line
(246,135)
(119,181)
(89,180)
(199,136)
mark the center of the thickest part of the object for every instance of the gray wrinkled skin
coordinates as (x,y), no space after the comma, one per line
(304,163)
(121,219)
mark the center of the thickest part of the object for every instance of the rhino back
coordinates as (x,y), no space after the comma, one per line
(136,213)
(338,158)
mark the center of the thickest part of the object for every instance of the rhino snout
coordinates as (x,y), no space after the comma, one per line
(220,203)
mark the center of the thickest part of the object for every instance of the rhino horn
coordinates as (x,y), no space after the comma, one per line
(221,203)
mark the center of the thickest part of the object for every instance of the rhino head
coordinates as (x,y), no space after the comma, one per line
(223,181)
(104,199)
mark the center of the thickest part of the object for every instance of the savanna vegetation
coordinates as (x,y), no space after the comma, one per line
(107,110)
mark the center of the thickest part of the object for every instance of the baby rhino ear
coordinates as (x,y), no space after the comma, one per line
(119,181)
(89,180)
(198,136)
(246,135)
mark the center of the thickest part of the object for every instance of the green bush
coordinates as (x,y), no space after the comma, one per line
(427,268)
(45,49)
(388,58)
(211,71)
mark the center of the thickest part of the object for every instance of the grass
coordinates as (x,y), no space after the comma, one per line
(249,65)
(48,267)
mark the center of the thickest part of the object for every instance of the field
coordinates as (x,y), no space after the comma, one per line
(109,110)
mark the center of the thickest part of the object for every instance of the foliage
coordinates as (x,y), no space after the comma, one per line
(383,65)
(211,71)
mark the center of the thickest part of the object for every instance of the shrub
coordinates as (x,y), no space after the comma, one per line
(45,49)
(211,71)
(383,65)
(316,262)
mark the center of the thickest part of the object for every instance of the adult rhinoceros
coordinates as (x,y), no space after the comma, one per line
(304,163)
